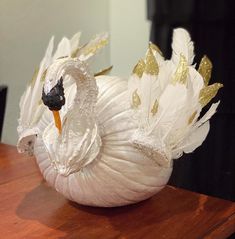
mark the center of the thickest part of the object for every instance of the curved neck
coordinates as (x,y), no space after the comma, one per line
(79,143)
(87,91)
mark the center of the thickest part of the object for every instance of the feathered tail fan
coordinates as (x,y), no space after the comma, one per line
(167,98)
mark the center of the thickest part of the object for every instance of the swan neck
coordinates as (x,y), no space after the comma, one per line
(87,91)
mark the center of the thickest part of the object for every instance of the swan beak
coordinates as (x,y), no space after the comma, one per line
(57,120)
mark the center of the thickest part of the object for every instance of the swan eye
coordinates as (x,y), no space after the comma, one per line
(55,99)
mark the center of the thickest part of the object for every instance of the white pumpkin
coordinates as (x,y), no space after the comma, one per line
(119,137)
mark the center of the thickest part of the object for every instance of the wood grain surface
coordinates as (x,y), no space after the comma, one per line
(29,209)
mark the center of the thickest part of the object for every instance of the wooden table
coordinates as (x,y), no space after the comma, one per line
(29,208)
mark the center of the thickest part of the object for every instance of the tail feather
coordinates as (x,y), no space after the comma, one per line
(169,102)
(182,44)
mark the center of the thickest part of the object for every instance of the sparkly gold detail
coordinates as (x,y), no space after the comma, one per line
(208,93)
(94,48)
(191,118)
(35,74)
(155,108)
(154,47)
(205,69)
(43,77)
(139,68)
(135,99)
(75,52)
(104,71)
(181,73)
(151,66)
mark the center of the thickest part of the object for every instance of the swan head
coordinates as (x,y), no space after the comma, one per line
(53,90)
(50,79)
(55,98)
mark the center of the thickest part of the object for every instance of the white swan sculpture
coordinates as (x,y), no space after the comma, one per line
(118,137)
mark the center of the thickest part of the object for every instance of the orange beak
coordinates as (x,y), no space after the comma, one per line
(57,120)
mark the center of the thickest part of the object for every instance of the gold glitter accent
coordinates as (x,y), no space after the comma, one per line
(181,73)
(104,71)
(43,77)
(135,99)
(154,47)
(155,108)
(208,93)
(205,69)
(35,74)
(95,47)
(151,66)
(191,118)
(139,68)
(75,52)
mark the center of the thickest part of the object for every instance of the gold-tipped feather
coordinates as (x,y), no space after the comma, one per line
(35,74)
(151,66)
(139,68)
(181,73)
(155,48)
(75,52)
(43,77)
(135,99)
(93,48)
(155,108)
(205,69)
(105,71)
(208,93)
(191,118)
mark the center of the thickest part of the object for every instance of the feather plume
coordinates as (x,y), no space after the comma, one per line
(182,44)
(92,47)
(74,42)
(192,141)
(170,101)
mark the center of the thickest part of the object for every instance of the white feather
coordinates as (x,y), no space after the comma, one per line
(196,138)
(147,96)
(74,41)
(208,114)
(171,105)
(37,87)
(63,49)
(93,47)
(30,100)
(182,44)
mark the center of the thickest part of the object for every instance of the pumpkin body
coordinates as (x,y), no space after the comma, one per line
(120,174)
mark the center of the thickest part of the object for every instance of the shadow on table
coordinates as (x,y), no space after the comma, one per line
(46,206)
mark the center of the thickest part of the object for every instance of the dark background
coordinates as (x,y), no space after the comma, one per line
(211,168)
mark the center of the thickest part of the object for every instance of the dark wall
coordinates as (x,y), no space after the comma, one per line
(3,96)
